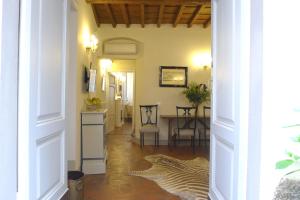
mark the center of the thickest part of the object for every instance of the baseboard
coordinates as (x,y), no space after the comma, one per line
(65,195)
(149,142)
(94,166)
(161,142)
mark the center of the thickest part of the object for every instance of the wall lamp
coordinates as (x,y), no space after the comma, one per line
(91,44)
(202,60)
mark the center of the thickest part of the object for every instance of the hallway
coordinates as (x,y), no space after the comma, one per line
(123,156)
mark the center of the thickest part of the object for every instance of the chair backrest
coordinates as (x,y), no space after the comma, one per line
(186,117)
(206,110)
(148,114)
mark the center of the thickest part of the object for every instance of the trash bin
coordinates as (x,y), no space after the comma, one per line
(76,185)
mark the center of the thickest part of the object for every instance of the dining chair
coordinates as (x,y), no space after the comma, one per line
(186,124)
(205,121)
(149,124)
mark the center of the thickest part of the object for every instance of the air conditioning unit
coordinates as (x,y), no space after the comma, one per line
(120,49)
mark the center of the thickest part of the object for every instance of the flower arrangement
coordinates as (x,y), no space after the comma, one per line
(92,103)
(197,93)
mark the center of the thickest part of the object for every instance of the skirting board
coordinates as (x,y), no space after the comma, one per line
(65,196)
(149,142)
(161,142)
(94,166)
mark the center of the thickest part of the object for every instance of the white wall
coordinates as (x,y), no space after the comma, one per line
(165,46)
(280,88)
(85,25)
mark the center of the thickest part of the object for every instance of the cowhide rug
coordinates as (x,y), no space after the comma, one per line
(187,179)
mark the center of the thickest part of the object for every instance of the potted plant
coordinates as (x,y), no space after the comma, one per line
(289,186)
(197,93)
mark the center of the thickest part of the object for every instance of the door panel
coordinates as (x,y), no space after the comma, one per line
(50,60)
(224,78)
(230,104)
(224,167)
(44,33)
(49,148)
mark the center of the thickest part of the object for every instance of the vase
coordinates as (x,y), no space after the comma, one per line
(288,187)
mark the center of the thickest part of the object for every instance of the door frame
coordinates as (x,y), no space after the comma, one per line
(9,52)
(133,97)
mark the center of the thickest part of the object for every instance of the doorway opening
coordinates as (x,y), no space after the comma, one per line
(121,95)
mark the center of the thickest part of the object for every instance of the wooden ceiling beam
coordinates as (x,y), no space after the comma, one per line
(178,16)
(198,10)
(160,14)
(142,15)
(111,15)
(150,2)
(125,15)
(97,18)
(207,23)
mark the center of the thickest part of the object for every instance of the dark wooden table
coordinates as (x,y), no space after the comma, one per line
(170,117)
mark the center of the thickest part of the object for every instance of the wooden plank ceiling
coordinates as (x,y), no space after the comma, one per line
(159,12)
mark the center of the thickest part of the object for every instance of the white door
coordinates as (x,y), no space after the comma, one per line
(230,99)
(42,88)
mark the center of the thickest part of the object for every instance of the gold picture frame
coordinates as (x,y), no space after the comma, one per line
(173,76)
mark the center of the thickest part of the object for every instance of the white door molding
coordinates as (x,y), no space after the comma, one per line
(9,33)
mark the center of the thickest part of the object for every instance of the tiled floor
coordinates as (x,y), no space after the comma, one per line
(124,155)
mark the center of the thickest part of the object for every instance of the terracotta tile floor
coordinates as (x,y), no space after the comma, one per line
(123,156)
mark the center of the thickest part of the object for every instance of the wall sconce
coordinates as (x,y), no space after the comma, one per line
(91,44)
(202,60)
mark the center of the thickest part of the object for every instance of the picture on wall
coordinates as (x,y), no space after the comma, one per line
(173,76)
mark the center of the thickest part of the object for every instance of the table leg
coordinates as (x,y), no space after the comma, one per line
(169,131)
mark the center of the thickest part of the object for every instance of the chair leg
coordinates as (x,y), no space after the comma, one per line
(205,137)
(174,140)
(199,138)
(140,140)
(143,139)
(193,143)
(157,139)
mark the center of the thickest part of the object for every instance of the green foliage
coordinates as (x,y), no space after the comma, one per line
(196,94)
(284,163)
(292,157)
(296,139)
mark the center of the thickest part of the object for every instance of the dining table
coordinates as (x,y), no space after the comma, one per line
(204,121)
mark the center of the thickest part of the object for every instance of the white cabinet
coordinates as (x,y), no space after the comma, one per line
(93,141)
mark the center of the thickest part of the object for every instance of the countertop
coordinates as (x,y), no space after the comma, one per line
(100,110)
